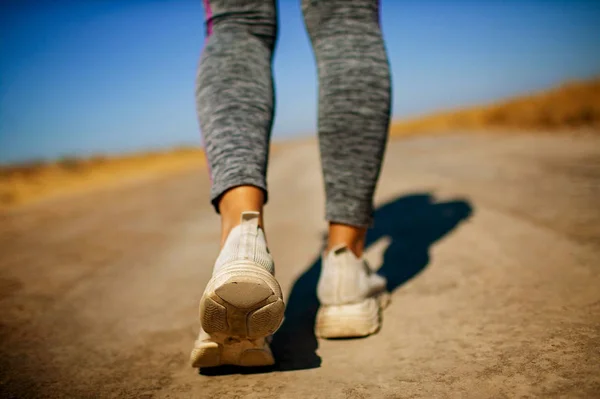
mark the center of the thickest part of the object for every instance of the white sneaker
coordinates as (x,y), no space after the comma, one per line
(352,296)
(242,304)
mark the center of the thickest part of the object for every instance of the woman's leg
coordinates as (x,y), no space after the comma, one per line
(354,113)
(354,110)
(242,303)
(235,103)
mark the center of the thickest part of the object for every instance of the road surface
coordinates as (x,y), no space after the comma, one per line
(491,244)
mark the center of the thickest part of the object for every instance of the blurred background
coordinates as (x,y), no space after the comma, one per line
(94,79)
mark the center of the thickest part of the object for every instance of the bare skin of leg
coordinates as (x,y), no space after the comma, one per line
(354,237)
(234,202)
(249,198)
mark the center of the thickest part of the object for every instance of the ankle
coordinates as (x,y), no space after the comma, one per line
(351,236)
(236,201)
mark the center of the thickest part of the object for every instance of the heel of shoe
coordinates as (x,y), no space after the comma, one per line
(242,305)
(350,321)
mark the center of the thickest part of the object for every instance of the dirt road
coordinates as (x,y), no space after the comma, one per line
(491,245)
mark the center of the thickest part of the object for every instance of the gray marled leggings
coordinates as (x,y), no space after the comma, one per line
(235,97)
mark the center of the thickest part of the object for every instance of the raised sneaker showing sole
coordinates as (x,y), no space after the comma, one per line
(241,306)
(352,320)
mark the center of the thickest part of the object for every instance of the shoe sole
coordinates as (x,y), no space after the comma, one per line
(241,306)
(245,353)
(353,320)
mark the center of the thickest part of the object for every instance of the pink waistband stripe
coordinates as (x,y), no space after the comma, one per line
(208,11)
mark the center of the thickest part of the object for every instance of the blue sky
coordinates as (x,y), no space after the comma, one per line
(87,77)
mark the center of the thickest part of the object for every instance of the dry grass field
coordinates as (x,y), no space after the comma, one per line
(572,106)
(25,183)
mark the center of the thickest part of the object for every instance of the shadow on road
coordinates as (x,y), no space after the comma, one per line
(412,223)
